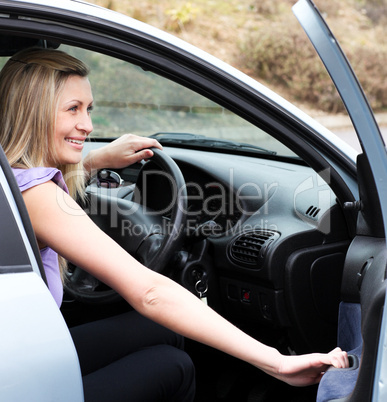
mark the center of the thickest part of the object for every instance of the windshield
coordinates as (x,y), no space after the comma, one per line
(128,99)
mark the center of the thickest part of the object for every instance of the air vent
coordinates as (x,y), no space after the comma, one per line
(250,248)
(312,211)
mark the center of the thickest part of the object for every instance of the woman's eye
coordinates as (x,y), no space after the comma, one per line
(73,109)
(90,109)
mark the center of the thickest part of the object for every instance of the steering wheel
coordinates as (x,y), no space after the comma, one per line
(145,233)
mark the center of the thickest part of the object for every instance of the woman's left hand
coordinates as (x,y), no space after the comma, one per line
(122,152)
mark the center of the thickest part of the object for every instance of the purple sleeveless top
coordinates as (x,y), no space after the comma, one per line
(27,178)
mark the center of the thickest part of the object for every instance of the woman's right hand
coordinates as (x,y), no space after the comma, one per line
(308,369)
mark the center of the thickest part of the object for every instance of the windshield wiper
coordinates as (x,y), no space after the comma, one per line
(207,142)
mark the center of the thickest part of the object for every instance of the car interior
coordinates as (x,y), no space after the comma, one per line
(246,214)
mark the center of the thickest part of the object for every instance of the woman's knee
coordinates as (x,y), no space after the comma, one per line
(158,373)
(176,374)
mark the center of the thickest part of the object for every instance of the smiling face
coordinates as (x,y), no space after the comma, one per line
(73,123)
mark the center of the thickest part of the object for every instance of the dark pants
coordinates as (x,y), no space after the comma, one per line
(130,358)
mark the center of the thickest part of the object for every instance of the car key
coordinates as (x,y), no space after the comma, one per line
(201,288)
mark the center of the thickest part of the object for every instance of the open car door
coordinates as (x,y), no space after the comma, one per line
(363,316)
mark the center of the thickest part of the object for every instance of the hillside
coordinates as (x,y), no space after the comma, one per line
(263,39)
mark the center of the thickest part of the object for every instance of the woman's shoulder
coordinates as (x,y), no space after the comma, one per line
(27,178)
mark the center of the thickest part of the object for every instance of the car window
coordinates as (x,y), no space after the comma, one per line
(128,99)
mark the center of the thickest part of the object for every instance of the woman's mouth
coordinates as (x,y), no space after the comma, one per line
(78,142)
(75,143)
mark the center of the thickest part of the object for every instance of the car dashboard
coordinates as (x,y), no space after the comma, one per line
(268,236)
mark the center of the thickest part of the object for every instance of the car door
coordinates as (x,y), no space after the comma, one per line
(363,319)
(38,361)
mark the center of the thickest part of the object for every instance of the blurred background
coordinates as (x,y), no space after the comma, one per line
(263,39)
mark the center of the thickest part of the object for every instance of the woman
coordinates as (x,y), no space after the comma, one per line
(45,118)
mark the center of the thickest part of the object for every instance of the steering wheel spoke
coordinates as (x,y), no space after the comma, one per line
(140,231)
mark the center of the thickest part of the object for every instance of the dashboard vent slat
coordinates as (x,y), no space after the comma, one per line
(249,248)
(312,211)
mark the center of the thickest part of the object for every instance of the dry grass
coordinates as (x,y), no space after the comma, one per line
(263,39)
(216,26)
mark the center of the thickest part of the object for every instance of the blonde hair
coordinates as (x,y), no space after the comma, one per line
(31,83)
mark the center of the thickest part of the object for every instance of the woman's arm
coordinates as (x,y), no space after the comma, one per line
(122,152)
(60,223)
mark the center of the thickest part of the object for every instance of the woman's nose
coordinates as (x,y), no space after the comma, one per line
(85,124)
